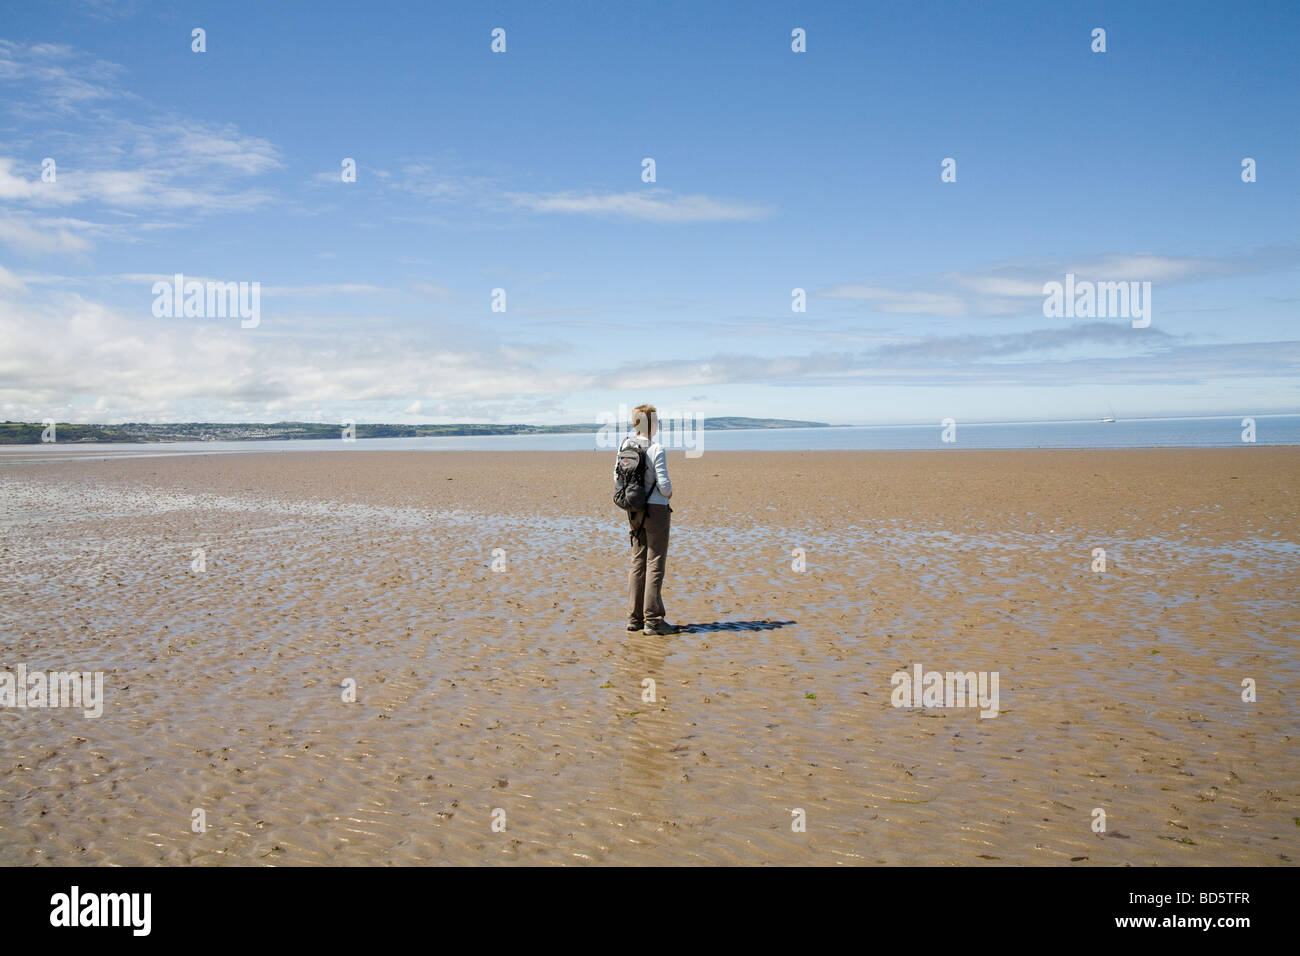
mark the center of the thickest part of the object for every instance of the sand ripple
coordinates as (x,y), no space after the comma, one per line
(519,692)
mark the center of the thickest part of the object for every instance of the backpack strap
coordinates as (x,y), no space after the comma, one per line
(645,453)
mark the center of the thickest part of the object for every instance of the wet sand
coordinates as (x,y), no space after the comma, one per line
(520,691)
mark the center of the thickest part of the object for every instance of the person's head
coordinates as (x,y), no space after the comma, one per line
(645,420)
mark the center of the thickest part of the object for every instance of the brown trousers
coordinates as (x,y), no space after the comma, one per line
(645,575)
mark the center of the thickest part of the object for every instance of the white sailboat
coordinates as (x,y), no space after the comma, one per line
(1111,416)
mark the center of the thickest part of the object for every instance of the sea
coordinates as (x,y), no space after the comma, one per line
(1213,432)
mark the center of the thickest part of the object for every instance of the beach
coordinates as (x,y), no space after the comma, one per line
(472,604)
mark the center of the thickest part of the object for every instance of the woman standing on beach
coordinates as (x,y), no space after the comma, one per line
(645,576)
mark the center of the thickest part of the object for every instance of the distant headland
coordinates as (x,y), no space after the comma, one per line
(24,433)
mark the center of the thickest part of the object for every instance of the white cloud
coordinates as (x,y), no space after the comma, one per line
(430,290)
(1012,289)
(37,236)
(184,184)
(13,187)
(902,302)
(63,349)
(652,205)
(200,146)
(10,283)
(66,351)
(61,79)
(163,162)
(1002,286)
(325,288)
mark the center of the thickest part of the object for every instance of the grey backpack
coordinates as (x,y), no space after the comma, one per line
(631,490)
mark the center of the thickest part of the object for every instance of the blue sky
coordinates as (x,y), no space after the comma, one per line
(523,171)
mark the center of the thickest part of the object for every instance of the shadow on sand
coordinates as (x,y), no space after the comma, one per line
(732,626)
